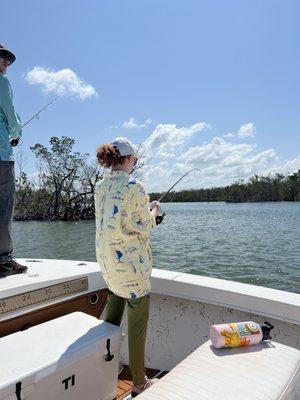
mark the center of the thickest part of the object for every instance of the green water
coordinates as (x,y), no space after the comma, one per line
(256,243)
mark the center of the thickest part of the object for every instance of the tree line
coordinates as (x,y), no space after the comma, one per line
(64,186)
(276,187)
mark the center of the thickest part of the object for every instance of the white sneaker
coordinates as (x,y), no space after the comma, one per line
(137,390)
(121,367)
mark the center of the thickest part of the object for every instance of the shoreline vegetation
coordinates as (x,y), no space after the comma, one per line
(64,187)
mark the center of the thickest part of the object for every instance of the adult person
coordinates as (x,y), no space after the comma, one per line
(10,128)
(123,225)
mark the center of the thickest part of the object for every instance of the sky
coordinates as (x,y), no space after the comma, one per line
(205,84)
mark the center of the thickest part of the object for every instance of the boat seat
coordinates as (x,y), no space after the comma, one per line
(266,371)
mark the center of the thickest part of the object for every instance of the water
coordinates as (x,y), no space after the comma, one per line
(257,243)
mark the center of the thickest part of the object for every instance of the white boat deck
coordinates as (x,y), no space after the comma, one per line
(183,307)
(42,273)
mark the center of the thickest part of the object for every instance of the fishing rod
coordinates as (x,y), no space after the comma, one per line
(37,115)
(162,214)
(15,141)
(168,191)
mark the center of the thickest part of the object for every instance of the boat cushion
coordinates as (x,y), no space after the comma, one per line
(266,371)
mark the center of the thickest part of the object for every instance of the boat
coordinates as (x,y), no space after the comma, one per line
(54,294)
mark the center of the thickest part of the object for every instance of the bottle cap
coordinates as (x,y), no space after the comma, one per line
(266,329)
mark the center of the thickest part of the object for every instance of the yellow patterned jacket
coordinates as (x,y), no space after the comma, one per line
(123,225)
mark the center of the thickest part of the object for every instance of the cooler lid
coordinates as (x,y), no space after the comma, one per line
(25,354)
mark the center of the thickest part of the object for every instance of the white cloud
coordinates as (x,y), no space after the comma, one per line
(166,137)
(220,161)
(245,131)
(167,155)
(261,158)
(62,82)
(217,149)
(133,124)
(286,167)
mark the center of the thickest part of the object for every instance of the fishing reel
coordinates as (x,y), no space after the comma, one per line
(159,218)
(14,141)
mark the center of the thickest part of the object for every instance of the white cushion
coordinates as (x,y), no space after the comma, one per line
(267,371)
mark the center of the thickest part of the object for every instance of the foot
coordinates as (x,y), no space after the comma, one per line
(121,368)
(136,390)
(11,268)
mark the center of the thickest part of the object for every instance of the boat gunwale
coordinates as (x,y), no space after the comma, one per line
(278,304)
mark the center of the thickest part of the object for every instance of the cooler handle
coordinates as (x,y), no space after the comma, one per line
(108,356)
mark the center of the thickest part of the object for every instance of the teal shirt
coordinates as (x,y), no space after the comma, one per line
(10,123)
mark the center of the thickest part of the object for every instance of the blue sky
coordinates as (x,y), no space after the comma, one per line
(198,69)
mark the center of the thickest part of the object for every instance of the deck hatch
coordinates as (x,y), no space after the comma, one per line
(45,294)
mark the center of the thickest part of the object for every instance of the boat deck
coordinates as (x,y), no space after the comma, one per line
(125,381)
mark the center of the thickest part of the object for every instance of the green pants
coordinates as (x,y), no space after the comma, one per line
(137,314)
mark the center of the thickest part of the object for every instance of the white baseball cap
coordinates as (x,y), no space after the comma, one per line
(125,147)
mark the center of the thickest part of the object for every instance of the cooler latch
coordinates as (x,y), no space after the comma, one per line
(108,356)
(18,390)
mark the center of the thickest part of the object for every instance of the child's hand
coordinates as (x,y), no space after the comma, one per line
(155,208)
(154,203)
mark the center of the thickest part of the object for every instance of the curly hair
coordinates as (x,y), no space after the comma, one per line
(108,155)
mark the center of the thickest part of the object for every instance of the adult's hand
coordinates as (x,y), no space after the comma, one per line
(14,141)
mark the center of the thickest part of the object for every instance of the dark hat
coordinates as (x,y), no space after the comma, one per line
(8,53)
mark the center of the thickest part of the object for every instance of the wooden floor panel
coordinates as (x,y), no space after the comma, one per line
(125,381)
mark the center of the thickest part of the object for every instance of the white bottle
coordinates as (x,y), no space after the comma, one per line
(237,334)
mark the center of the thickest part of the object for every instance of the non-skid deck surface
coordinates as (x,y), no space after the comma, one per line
(125,381)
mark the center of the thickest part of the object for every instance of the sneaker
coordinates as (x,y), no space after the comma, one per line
(121,368)
(136,390)
(11,268)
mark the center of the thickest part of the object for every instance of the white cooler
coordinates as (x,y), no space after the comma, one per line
(74,357)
